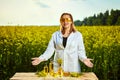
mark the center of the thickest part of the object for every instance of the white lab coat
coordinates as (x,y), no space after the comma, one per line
(71,54)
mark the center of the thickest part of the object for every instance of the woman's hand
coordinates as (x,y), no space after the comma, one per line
(36,61)
(88,62)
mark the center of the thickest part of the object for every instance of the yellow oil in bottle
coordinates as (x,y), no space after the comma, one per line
(60,72)
(51,72)
(46,69)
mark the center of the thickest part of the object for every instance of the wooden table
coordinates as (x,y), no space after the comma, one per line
(33,76)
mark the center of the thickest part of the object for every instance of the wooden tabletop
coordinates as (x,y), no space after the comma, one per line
(33,76)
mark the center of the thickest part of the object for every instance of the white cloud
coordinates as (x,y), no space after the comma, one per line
(41,4)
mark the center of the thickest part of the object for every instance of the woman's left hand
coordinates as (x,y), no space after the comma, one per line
(88,62)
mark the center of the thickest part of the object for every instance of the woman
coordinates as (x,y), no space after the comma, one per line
(68,45)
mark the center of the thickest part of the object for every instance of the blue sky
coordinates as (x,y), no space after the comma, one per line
(48,12)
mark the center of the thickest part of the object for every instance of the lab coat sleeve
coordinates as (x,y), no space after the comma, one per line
(81,48)
(49,51)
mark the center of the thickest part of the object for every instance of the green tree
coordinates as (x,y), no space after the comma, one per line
(106,15)
(77,23)
(118,21)
(112,19)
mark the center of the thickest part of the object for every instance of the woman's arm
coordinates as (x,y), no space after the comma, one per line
(47,54)
(49,51)
(82,53)
(81,48)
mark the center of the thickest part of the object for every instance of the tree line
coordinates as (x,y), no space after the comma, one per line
(109,18)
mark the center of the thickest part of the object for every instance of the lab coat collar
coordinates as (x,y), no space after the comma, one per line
(69,39)
(60,34)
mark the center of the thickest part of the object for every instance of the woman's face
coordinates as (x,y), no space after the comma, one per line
(66,21)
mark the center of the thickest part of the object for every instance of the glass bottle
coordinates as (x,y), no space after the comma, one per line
(60,71)
(46,69)
(51,68)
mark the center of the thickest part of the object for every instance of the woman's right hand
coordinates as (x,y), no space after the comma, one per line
(36,61)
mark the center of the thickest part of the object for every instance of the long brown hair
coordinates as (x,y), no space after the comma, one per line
(72,28)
